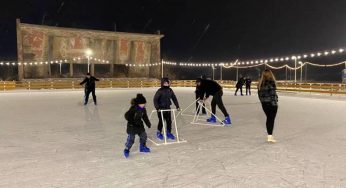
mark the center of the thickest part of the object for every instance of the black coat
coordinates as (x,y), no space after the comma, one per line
(134,117)
(248,82)
(163,97)
(240,82)
(89,82)
(267,93)
(208,87)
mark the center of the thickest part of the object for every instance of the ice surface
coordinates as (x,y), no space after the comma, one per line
(49,139)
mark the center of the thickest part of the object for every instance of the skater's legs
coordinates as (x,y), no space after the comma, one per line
(87,93)
(168,119)
(218,99)
(159,126)
(130,140)
(213,105)
(143,138)
(94,96)
(270,112)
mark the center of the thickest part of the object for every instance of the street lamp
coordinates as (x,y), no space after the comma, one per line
(301,71)
(212,66)
(295,68)
(221,65)
(88,53)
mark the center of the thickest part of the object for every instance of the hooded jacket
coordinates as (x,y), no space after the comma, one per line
(163,97)
(135,117)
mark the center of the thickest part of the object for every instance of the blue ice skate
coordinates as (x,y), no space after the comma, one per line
(126,153)
(212,119)
(144,149)
(159,135)
(227,120)
(170,136)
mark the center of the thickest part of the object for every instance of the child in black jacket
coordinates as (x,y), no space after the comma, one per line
(162,101)
(134,117)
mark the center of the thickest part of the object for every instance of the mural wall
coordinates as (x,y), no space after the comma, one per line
(44,43)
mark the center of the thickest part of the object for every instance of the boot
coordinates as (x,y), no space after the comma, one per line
(212,119)
(271,139)
(170,136)
(227,120)
(159,135)
(144,149)
(126,153)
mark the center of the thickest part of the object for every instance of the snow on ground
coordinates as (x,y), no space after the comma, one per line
(49,139)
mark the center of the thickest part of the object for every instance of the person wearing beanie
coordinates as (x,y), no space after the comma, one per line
(89,82)
(135,117)
(210,87)
(162,101)
(239,85)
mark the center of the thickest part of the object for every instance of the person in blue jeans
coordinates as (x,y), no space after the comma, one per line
(135,117)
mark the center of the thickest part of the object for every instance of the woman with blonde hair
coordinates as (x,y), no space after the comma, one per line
(269,100)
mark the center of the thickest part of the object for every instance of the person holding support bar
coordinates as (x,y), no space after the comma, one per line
(269,100)
(210,87)
(135,117)
(162,101)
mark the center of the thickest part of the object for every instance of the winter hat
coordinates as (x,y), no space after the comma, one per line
(198,80)
(88,73)
(140,99)
(164,79)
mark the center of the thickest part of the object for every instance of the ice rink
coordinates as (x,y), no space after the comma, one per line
(49,139)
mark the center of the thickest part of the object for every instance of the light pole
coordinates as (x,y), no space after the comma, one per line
(88,53)
(301,71)
(162,68)
(221,65)
(212,67)
(295,69)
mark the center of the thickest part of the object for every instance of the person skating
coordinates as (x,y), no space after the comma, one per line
(269,100)
(135,117)
(248,85)
(239,85)
(162,101)
(198,96)
(89,82)
(210,87)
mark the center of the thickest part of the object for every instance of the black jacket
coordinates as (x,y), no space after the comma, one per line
(267,93)
(208,87)
(163,97)
(248,82)
(134,117)
(89,82)
(240,82)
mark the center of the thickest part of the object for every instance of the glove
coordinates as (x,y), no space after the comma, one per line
(178,109)
(149,126)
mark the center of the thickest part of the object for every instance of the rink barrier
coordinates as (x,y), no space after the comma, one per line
(328,88)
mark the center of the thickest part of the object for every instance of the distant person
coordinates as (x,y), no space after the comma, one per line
(89,82)
(210,87)
(135,116)
(248,85)
(198,96)
(162,101)
(239,85)
(269,100)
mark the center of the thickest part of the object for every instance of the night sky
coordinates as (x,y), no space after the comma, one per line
(194,30)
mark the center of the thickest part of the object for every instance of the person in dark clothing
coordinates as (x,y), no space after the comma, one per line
(198,96)
(269,100)
(162,101)
(135,116)
(210,87)
(248,85)
(89,82)
(239,85)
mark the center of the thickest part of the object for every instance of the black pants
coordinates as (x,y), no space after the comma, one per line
(241,90)
(167,118)
(248,89)
(203,109)
(217,100)
(87,93)
(270,112)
